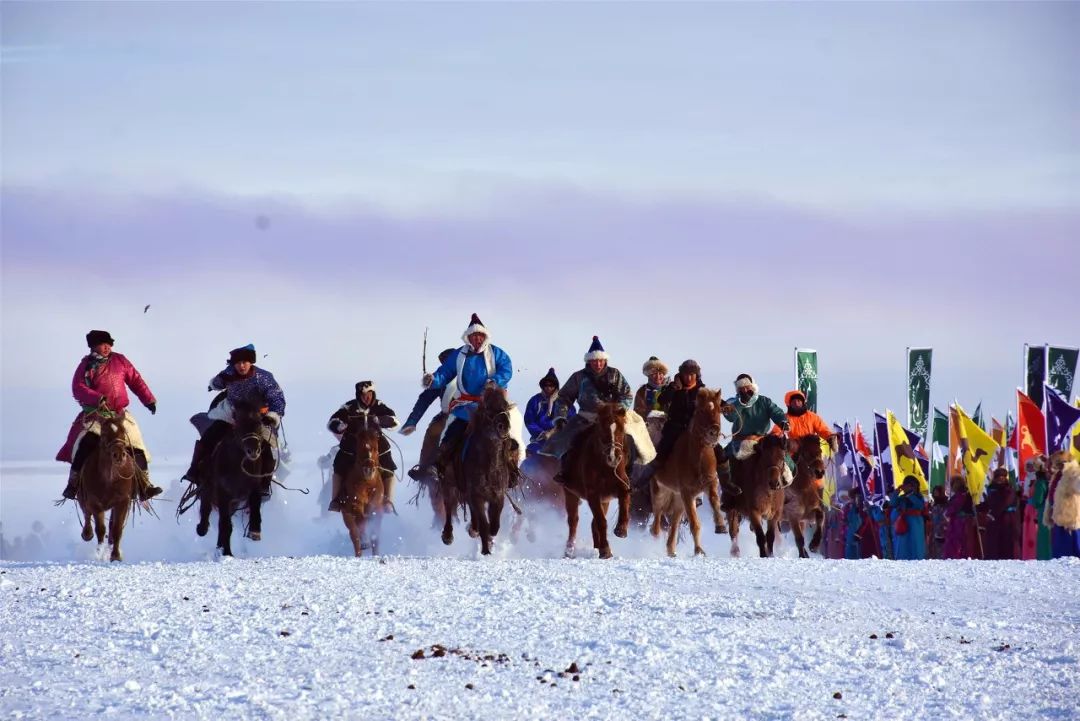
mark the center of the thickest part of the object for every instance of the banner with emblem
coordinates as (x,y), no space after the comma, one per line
(806,376)
(1060,419)
(1030,429)
(905,462)
(939,450)
(1061,368)
(1034,372)
(977,449)
(918,389)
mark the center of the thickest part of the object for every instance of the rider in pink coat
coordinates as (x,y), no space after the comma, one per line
(100,383)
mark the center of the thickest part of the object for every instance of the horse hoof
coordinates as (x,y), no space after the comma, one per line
(699,551)
(569,553)
(87,534)
(620,531)
(720,528)
(255,536)
(606,553)
(473,533)
(447,538)
(670,554)
(735,552)
(202,528)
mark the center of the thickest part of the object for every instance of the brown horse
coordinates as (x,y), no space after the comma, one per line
(762,499)
(107,483)
(484,465)
(802,499)
(362,491)
(595,469)
(689,472)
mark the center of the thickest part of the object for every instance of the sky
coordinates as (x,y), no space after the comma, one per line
(708,180)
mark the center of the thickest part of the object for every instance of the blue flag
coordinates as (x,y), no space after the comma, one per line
(883,453)
(1060,418)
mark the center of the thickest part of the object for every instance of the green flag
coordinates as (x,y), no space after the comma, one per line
(1061,368)
(806,375)
(919,389)
(939,451)
(1034,372)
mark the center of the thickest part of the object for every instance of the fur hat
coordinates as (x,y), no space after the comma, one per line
(475,326)
(244,353)
(793,394)
(364,386)
(690,366)
(550,378)
(744,380)
(652,364)
(596,351)
(96,337)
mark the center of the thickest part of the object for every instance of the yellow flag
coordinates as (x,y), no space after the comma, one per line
(829,489)
(978,449)
(1074,447)
(904,461)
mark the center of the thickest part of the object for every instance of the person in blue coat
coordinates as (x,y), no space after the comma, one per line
(540,412)
(853,525)
(880,516)
(909,524)
(468,370)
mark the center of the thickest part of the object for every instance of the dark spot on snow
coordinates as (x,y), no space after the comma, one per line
(284,633)
(438,651)
(469,686)
(186,598)
(411,687)
(838,695)
(965,640)
(418,654)
(573,668)
(873,636)
(890,635)
(388,637)
(1003,647)
(304,613)
(576,677)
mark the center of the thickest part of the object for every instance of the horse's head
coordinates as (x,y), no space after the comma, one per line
(770,457)
(611,428)
(809,455)
(366,437)
(494,410)
(707,415)
(247,420)
(116,453)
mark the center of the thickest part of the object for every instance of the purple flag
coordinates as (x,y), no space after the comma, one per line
(1060,418)
(883,453)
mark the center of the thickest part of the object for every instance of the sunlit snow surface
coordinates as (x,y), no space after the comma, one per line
(295,628)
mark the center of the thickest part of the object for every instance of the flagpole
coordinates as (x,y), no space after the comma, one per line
(907,374)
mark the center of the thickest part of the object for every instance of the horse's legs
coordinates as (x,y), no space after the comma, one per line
(733,521)
(99,526)
(623,523)
(355,529)
(689,505)
(495,509)
(255,515)
(224,526)
(770,535)
(675,515)
(714,503)
(87,531)
(117,518)
(599,526)
(572,515)
(759,533)
(375,527)
(480,522)
(205,506)
(659,503)
(819,529)
(800,539)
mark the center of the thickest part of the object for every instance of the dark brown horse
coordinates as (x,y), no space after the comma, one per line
(107,483)
(484,466)
(802,499)
(362,490)
(759,476)
(240,470)
(689,472)
(595,470)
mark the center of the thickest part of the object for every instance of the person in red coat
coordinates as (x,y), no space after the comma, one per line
(1002,522)
(100,386)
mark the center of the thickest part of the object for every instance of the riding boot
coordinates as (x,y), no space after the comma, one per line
(335,492)
(388,481)
(192,473)
(647,472)
(72,484)
(146,490)
(723,472)
(512,466)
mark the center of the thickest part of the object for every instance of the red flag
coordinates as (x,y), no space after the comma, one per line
(860,442)
(1030,429)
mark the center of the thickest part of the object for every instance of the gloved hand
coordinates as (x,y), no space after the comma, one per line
(490,384)
(387,421)
(727,408)
(271,419)
(152,407)
(426,380)
(338,426)
(407,430)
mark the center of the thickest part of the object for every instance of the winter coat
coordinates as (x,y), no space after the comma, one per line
(470,371)
(379,413)
(540,414)
(805,424)
(258,388)
(853,530)
(1001,527)
(588,391)
(960,539)
(678,404)
(109,382)
(425,399)
(752,419)
(647,399)
(909,526)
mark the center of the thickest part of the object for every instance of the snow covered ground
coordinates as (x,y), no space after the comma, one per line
(294,628)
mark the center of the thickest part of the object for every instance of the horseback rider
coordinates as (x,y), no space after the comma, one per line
(242,382)
(647,398)
(596,383)
(429,448)
(99,387)
(366,407)
(468,370)
(802,420)
(540,412)
(678,400)
(751,416)
(424,400)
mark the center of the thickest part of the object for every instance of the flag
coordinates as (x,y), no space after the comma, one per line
(939,449)
(997,432)
(883,453)
(956,464)
(1030,429)
(860,468)
(977,416)
(1034,372)
(1074,448)
(860,443)
(902,454)
(1060,418)
(978,449)
(806,376)
(918,360)
(1061,369)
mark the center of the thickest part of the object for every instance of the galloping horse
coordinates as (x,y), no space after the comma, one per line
(362,488)
(688,472)
(595,470)
(107,483)
(240,469)
(802,499)
(484,467)
(762,499)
